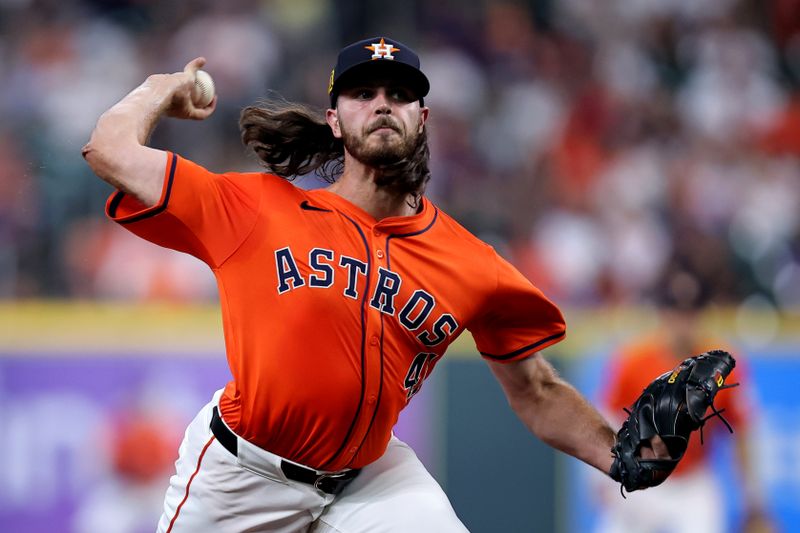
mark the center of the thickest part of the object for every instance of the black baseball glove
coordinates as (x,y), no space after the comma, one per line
(672,406)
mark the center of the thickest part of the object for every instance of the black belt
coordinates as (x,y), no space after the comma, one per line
(327,483)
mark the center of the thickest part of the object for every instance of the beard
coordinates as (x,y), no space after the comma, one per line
(389,153)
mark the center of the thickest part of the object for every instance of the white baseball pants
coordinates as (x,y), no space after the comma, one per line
(215,491)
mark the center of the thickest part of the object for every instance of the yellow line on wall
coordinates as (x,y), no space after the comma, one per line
(110,327)
(100,327)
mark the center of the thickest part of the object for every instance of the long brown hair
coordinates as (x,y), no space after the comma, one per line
(293,139)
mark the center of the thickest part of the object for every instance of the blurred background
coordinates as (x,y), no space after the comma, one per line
(638,160)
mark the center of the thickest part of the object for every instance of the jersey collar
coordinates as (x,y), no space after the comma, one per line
(399,226)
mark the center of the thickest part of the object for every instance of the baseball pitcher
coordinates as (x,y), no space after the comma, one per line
(337,303)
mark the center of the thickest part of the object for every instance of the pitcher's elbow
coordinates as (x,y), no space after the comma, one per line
(89,153)
(97,158)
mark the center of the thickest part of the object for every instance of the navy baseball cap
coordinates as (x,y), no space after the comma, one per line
(373,55)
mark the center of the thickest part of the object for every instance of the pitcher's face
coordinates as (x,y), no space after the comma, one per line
(379,122)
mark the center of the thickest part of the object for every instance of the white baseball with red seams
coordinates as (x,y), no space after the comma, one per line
(203,91)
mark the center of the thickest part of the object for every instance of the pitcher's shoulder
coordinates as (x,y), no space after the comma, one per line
(453,231)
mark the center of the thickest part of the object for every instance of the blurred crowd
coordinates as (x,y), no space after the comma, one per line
(597,145)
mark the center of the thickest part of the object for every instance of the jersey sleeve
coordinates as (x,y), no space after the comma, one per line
(201,213)
(518,319)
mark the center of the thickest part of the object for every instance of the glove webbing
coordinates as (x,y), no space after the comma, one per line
(715,413)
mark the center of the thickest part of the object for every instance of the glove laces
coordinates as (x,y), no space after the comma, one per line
(717,413)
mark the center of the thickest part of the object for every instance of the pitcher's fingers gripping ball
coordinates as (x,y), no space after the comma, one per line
(672,407)
(203,91)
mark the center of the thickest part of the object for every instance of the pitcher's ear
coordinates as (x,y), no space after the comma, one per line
(332,118)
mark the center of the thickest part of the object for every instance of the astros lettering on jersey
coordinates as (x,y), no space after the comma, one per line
(332,319)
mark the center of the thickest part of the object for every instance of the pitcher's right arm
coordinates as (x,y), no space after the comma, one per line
(117,150)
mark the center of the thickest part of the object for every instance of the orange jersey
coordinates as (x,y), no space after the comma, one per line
(332,319)
(636,365)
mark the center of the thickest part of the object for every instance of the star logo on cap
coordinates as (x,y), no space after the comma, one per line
(382,50)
